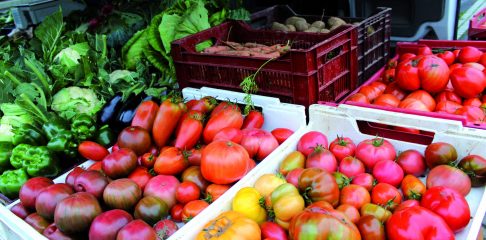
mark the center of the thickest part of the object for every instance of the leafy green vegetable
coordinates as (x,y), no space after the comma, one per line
(167,29)
(70,56)
(6,132)
(72,101)
(132,52)
(154,34)
(49,32)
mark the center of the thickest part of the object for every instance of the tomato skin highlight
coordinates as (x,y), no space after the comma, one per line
(166,121)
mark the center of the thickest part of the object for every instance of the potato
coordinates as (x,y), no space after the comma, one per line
(312,29)
(279,27)
(293,20)
(324,30)
(318,24)
(291,28)
(335,21)
(301,26)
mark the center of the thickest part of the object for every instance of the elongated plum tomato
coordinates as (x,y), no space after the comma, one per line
(281,134)
(254,119)
(229,134)
(259,143)
(386,171)
(359,98)
(321,158)
(351,167)
(342,147)
(310,140)
(229,116)
(224,162)
(412,162)
(371,151)
(106,225)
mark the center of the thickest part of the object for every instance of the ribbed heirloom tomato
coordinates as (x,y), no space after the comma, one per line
(224,162)
(371,151)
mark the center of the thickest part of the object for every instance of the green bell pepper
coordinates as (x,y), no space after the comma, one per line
(11,181)
(5,153)
(60,138)
(37,161)
(105,136)
(83,127)
(28,134)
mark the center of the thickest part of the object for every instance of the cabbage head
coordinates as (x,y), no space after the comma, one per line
(71,101)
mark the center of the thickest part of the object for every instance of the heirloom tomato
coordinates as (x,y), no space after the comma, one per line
(342,147)
(286,203)
(247,202)
(387,195)
(377,211)
(445,175)
(371,151)
(354,195)
(319,185)
(371,228)
(230,225)
(224,162)
(412,187)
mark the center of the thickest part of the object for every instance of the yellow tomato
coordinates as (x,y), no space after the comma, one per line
(286,202)
(247,202)
(230,225)
(267,183)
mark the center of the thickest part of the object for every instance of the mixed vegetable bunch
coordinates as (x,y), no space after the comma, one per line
(355,191)
(173,160)
(450,82)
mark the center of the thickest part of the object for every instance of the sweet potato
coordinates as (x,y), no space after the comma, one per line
(253,45)
(235,53)
(216,49)
(266,55)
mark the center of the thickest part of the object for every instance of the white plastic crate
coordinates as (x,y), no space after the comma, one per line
(277,115)
(333,121)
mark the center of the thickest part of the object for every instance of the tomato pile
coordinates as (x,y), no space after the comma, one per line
(344,190)
(446,82)
(167,167)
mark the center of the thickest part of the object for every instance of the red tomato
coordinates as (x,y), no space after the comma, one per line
(176,212)
(396,91)
(281,134)
(469,54)
(171,161)
(137,229)
(468,82)
(392,63)
(229,116)
(364,179)
(147,160)
(412,162)
(439,153)
(145,115)
(447,56)
(449,204)
(229,134)
(448,95)
(194,156)
(224,162)
(407,204)
(407,75)
(424,51)
(371,92)
(193,174)
(354,195)
(433,73)
(482,60)
(203,105)
(293,176)
(445,175)
(473,114)
(165,122)
(359,98)
(424,97)
(258,143)
(96,166)
(186,192)
(417,223)
(191,103)
(350,211)
(389,75)
(447,107)
(405,57)
(190,130)
(412,187)
(454,66)
(371,228)
(351,167)
(92,150)
(215,191)
(386,171)
(378,85)
(387,100)
(413,104)
(140,176)
(342,147)
(387,195)
(254,119)
(310,140)
(192,209)
(456,53)
(371,151)
(475,102)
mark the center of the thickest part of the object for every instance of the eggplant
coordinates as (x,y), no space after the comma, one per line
(109,112)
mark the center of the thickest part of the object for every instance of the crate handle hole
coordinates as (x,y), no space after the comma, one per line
(333,53)
(387,131)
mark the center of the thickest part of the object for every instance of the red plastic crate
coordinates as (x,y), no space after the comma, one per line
(319,67)
(373,34)
(413,48)
(477,26)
